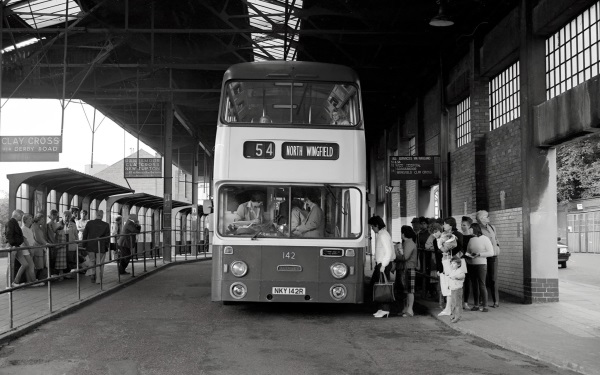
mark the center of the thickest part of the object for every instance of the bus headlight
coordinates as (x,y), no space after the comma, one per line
(339,270)
(338,292)
(238,268)
(238,290)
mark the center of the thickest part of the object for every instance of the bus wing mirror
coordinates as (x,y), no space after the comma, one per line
(207,206)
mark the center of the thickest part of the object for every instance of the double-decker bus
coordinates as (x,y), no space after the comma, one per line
(289,185)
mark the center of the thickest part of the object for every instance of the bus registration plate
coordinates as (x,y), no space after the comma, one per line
(289,291)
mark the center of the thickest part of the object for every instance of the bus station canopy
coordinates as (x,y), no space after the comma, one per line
(66,180)
(143,200)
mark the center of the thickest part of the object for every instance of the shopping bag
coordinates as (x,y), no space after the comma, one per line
(383,290)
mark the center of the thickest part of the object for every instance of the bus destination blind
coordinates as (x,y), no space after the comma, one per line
(310,150)
(259,150)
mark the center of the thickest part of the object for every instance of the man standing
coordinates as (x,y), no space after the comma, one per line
(14,237)
(96,250)
(128,241)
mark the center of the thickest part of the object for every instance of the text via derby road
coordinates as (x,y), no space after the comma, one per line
(148,168)
(30,147)
(310,151)
(414,167)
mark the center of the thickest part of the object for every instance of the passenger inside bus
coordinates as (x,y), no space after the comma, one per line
(314,224)
(252,210)
(338,117)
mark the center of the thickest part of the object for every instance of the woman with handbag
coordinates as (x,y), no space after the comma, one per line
(407,256)
(384,257)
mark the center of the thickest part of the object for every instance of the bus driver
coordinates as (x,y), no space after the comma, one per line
(252,210)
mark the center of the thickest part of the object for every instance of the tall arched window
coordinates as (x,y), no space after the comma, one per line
(22,202)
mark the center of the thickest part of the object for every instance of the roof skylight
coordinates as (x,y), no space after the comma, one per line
(44,13)
(271,15)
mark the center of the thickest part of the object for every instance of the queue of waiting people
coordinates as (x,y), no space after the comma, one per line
(456,263)
(26,230)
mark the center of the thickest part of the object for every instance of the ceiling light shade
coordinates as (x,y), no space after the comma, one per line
(441,19)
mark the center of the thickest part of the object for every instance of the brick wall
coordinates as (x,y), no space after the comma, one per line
(462,179)
(503,167)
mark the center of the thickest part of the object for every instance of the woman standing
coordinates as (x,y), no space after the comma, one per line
(384,256)
(489,231)
(408,256)
(39,235)
(27,229)
(478,250)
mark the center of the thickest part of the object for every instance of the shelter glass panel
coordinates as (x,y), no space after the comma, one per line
(23,201)
(505,97)
(149,225)
(51,201)
(572,53)
(63,204)
(286,103)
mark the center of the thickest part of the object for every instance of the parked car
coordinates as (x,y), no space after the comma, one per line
(563,254)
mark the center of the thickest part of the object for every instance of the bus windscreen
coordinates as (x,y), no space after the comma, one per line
(319,211)
(289,103)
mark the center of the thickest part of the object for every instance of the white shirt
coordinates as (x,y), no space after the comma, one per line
(384,249)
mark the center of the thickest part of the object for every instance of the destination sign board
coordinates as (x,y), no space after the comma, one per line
(310,150)
(30,144)
(148,168)
(259,150)
(414,167)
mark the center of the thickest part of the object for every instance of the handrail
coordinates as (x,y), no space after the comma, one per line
(156,239)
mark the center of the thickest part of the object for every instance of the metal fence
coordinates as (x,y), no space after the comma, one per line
(142,256)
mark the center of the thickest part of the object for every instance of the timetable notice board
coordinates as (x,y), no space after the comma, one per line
(148,168)
(414,167)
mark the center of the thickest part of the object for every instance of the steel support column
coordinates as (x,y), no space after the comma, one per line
(168,182)
(195,228)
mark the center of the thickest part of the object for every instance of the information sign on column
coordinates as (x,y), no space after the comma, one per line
(414,167)
(148,168)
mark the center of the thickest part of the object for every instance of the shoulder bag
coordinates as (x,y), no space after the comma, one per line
(383,290)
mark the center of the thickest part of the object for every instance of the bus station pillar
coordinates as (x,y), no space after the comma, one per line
(538,171)
(195,230)
(168,184)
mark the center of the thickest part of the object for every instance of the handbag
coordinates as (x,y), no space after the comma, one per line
(383,290)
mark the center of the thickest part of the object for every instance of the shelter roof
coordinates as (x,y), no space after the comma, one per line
(66,180)
(144,200)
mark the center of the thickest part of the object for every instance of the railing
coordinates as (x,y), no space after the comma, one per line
(153,254)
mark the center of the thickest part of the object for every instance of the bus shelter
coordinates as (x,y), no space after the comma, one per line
(60,189)
(149,209)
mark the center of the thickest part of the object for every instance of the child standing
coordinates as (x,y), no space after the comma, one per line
(456,278)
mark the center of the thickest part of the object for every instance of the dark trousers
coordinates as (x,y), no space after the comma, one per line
(478,275)
(467,285)
(492,278)
(124,262)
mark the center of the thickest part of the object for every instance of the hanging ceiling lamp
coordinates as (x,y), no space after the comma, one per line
(441,19)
